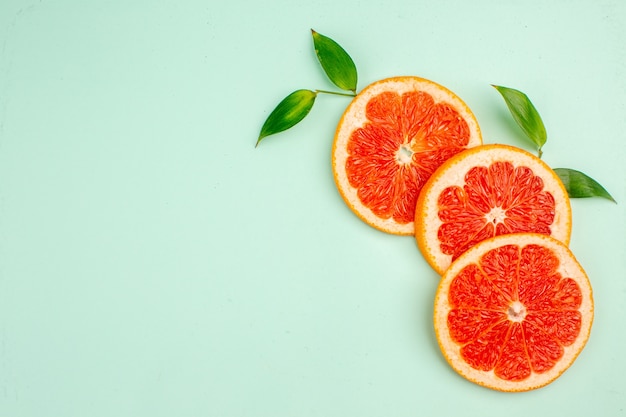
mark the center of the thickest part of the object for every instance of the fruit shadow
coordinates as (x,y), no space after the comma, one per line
(505,120)
(424,314)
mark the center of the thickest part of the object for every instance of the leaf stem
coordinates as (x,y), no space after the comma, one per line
(353,94)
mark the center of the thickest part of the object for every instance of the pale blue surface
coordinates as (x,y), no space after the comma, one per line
(154,263)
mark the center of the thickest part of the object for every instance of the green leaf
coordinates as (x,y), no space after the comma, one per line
(336,62)
(289,112)
(525,114)
(579,185)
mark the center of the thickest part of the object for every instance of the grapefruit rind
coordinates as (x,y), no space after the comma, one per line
(354,117)
(453,171)
(569,267)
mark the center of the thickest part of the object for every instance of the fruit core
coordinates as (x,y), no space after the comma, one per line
(496,215)
(404,156)
(516,312)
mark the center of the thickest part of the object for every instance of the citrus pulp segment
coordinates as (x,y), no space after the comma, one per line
(390,139)
(484,192)
(513,312)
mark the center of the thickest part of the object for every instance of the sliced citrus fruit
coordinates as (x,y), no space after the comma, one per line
(513,312)
(484,192)
(390,139)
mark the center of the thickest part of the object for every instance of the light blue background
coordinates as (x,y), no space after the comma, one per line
(154,263)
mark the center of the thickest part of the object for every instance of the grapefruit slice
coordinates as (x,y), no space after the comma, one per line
(390,139)
(484,192)
(513,312)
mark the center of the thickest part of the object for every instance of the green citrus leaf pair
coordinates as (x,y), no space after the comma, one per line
(339,68)
(289,112)
(525,114)
(579,185)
